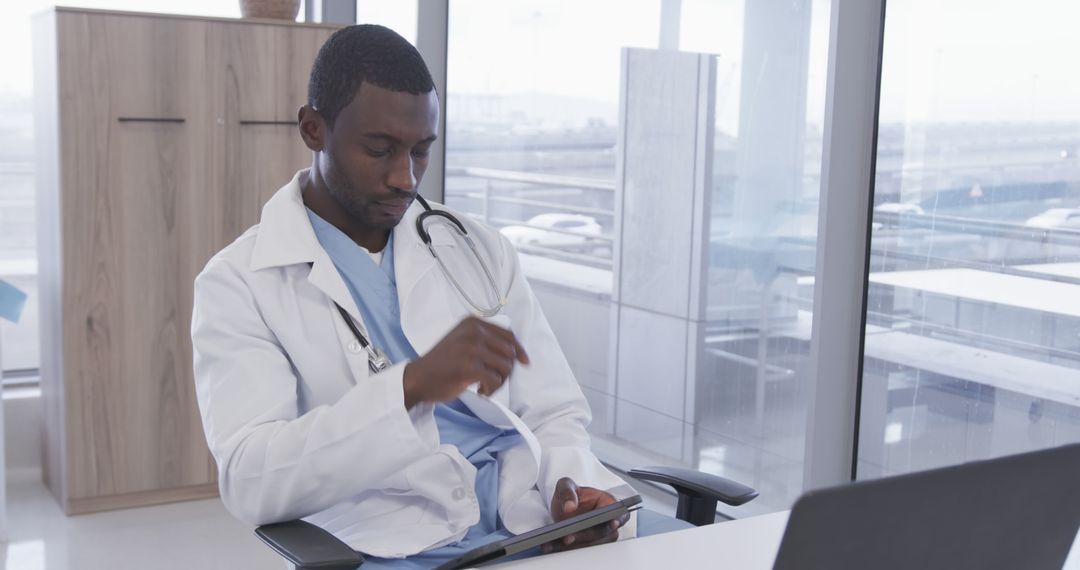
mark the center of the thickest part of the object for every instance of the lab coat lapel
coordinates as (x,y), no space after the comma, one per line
(424,295)
(411,258)
(425,316)
(286,238)
(325,277)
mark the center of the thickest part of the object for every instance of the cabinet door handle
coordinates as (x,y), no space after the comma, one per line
(287,123)
(150,119)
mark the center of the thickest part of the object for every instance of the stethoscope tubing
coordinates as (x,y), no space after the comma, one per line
(377,360)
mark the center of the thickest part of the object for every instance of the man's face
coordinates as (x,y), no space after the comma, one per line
(377,152)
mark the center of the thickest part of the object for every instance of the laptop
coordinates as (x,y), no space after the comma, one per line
(1016,512)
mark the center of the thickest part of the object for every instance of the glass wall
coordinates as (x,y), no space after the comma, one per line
(664,203)
(972,341)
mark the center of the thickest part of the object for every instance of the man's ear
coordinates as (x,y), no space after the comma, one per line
(312,128)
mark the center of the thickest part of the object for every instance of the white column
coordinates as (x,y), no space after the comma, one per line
(662,211)
(670,24)
(772,113)
(847,175)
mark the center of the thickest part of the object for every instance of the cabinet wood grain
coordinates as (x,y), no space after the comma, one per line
(160,138)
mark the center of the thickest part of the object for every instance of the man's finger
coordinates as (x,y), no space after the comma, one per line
(591,535)
(489,380)
(566,496)
(621,521)
(594,498)
(599,534)
(502,348)
(570,504)
(519,351)
(507,335)
(497,363)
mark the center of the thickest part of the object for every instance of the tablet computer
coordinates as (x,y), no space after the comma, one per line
(510,546)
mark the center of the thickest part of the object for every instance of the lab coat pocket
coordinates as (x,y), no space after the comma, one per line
(445,480)
(369,506)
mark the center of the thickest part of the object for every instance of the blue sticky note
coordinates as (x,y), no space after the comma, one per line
(12,301)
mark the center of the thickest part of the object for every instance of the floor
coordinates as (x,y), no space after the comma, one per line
(195,534)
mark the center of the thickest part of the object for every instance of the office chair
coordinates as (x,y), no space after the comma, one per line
(698,493)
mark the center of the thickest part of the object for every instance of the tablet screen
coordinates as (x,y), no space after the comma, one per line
(544,534)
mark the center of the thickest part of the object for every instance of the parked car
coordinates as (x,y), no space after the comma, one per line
(896,208)
(1067,218)
(583,228)
(899,208)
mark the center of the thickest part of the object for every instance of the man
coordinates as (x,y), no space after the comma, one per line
(476,429)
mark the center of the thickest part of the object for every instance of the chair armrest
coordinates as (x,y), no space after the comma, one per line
(698,492)
(308,546)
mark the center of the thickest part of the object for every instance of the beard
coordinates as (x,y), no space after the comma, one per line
(350,198)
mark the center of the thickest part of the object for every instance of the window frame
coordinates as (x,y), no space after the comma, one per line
(849,158)
(856,33)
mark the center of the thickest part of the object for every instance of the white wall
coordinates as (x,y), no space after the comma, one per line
(3,474)
(22,432)
(579,314)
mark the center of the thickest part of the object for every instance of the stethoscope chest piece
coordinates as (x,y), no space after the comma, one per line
(377,360)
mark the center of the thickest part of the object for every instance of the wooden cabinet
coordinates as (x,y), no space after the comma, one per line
(159,140)
(264,82)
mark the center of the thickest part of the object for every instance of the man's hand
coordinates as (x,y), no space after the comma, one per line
(474,351)
(570,500)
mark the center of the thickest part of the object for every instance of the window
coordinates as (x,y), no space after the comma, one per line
(972,340)
(18,254)
(398,15)
(531,117)
(697,355)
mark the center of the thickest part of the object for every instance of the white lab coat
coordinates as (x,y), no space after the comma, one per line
(300,428)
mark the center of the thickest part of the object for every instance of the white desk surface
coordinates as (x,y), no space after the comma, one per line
(747,544)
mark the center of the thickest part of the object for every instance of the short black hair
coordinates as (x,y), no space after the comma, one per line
(364,53)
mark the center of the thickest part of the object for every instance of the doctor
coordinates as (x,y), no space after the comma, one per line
(475,430)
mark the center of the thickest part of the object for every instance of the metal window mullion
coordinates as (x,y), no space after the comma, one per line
(330,11)
(432,26)
(850,142)
(670,24)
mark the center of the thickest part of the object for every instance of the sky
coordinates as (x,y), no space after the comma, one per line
(954,60)
(945,60)
(974,60)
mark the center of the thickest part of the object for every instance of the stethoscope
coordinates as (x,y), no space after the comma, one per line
(377,359)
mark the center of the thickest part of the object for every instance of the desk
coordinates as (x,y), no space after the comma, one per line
(746,544)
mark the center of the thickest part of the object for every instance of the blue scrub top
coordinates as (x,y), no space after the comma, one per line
(374,289)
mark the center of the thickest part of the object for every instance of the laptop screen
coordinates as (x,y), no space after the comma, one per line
(1015,512)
